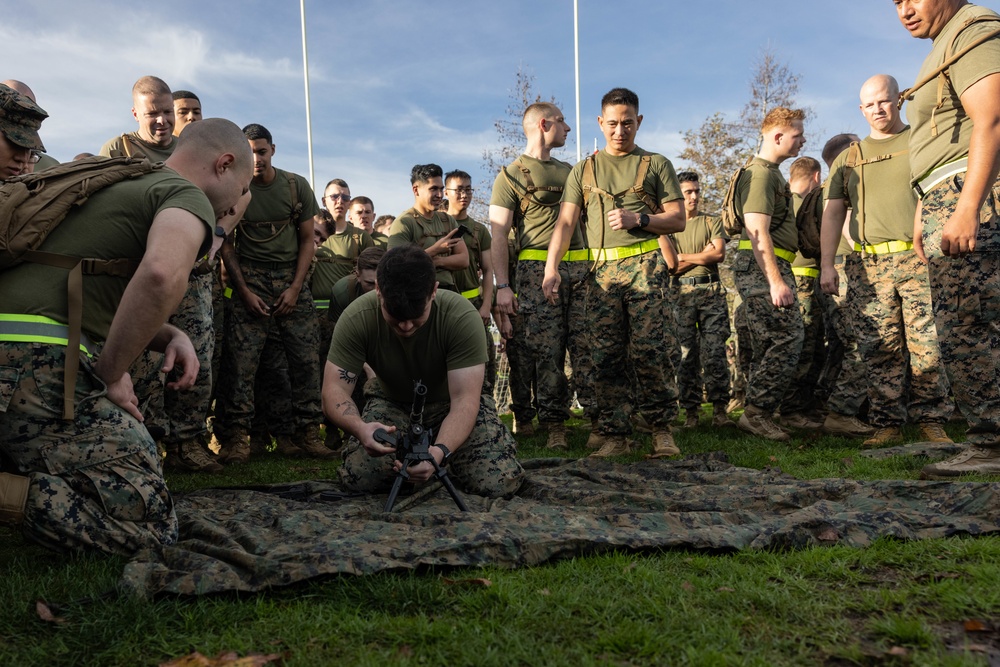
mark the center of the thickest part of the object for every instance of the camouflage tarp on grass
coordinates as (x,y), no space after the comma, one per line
(248,540)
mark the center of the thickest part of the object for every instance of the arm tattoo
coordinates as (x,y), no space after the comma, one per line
(348,376)
(350,411)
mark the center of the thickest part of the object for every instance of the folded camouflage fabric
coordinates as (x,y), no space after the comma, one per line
(250,540)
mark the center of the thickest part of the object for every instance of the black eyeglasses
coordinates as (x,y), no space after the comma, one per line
(340,197)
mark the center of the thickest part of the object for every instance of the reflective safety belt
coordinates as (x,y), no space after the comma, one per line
(38,329)
(472,293)
(805,271)
(641,248)
(786,255)
(939,175)
(321,304)
(582,255)
(884,248)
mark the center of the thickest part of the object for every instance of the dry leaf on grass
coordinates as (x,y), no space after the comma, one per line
(230,659)
(725,589)
(46,614)
(544,591)
(485,583)
(898,651)
(973,625)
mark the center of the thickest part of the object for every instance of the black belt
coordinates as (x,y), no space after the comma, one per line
(696,280)
(271,266)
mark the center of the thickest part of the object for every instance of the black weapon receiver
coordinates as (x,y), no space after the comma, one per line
(414,447)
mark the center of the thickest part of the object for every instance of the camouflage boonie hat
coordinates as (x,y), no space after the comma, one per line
(20,119)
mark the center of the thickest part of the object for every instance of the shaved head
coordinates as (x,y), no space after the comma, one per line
(213,136)
(152,86)
(21,87)
(536,112)
(878,82)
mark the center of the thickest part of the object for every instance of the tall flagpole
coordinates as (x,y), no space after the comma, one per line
(305,66)
(576,49)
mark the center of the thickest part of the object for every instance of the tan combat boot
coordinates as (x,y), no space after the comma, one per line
(720,418)
(799,420)
(884,435)
(235,448)
(847,425)
(310,443)
(524,428)
(614,445)
(595,441)
(192,456)
(756,422)
(691,418)
(933,432)
(557,437)
(13,498)
(285,445)
(663,444)
(972,461)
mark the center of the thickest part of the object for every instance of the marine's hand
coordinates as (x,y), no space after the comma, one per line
(366,436)
(550,286)
(829,281)
(121,394)
(180,352)
(504,324)
(419,473)
(622,219)
(285,302)
(255,304)
(781,295)
(444,244)
(506,301)
(959,234)
(484,312)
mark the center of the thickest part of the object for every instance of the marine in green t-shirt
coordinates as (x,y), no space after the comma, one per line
(763,273)
(153,109)
(700,310)
(267,261)
(338,254)
(410,332)
(433,230)
(164,220)
(630,197)
(475,282)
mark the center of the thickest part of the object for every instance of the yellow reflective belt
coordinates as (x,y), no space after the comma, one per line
(805,271)
(884,248)
(228,293)
(786,255)
(541,255)
(17,328)
(321,304)
(472,293)
(640,248)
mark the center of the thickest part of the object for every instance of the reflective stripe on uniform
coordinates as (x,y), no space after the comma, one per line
(321,304)
(640,248)
(786,255)
(884,248)
(38,329)
(806,271)
(541,255)
(939,175)
(472,293)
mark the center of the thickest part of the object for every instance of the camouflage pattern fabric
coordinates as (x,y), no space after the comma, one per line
(272,392)
(147,383)
(737,375)
(490,377)
(245,339)
(628,317)
(521,374)
(486,464)
(801,394)
(966,298)
(775,333)
(848,382)
(702,326)
(548,331)
(96,482)
(220,319)
(187,411)
(251,540)
(897,339)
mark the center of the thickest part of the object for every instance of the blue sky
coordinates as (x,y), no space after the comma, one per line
(396,83)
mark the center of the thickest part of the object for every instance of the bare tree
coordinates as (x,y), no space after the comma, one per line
(719,147)
(510,135)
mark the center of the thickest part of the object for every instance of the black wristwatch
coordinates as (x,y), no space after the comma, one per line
(643,221)
(220,231)
(447,452)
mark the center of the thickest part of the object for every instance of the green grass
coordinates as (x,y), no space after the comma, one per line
(821,606)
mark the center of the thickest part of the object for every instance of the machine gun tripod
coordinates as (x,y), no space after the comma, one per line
(414,445)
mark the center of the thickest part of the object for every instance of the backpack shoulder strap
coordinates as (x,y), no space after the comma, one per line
(296,213)
(640,179)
